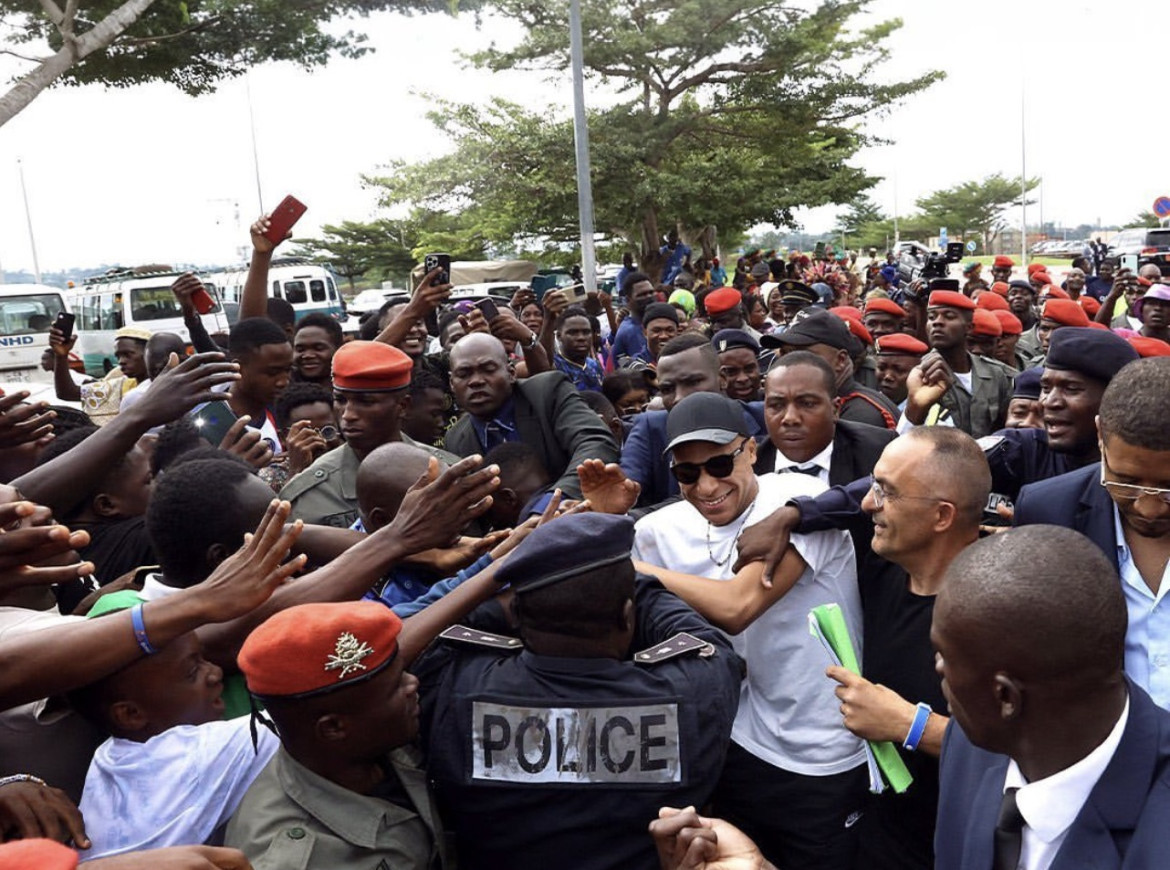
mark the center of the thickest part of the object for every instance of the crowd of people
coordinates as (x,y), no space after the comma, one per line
(524,584)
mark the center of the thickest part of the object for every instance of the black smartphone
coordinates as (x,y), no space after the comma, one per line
(64,324)
(213,420)
(438,261)
(489,309)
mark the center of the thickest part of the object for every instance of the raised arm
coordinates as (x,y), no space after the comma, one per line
(425,299)
(254,302)
(67,391)
(184,286)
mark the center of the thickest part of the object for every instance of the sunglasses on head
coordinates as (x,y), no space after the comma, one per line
(717,466)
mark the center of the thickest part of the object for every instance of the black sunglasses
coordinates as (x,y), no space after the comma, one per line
(717,466)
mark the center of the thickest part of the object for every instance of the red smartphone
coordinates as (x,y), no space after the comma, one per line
(283,218)
(202,301)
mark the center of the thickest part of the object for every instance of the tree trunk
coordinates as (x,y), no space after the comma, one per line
(74,50)
(650,261)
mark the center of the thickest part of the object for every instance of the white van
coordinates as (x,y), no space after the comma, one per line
(307,286)
(127,297)
(26,313)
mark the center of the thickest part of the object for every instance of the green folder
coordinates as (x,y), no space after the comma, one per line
(827,623)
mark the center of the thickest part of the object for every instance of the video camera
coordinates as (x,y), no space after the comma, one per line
(935,265)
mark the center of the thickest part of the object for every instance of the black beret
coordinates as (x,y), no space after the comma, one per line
(1027,384)
(660,311)
(1094,352)
(569,546)
(727,339)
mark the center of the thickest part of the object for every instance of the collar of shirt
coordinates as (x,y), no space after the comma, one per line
(1050,805)
(153,588)
(821,461)
(505,418)
(1127,568)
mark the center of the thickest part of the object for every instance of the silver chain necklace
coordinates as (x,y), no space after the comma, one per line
(720,563)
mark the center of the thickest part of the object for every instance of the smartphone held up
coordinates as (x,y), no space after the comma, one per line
(284,218)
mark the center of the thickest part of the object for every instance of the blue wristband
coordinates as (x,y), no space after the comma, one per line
(140,630)
(917,727)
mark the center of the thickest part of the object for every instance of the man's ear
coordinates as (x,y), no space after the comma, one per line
(127,717)
(105,505)
(1009,696)
(837,403)
(215,554)
(330,728)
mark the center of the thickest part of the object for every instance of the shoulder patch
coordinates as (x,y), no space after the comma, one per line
(463,634)
(989,442)
(681,644)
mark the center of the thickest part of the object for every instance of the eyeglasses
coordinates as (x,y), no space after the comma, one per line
(880,496)
(717,466)
(1128,491)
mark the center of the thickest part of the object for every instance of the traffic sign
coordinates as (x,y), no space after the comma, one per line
(971,247)
(1162,206)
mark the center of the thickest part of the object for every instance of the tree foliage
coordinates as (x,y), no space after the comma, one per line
(1143,219)
(976,206)
(729,113)
(192,44)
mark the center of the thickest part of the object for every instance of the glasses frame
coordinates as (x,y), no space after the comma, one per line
(1128,492)
(880,496)
(706,466)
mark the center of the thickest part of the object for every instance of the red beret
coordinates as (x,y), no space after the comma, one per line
(1091,305)
(985,323)
(992,302)
(885,306)
(900,344)
(847,312)
(1065,312)
(950,299)
(853,321)
(1145,282)
(1000,289)
(316,648)
(1002,262)
(369,366)
(1036,267)
(1051,291)
(1009,322)
(1149,346)
(1095,325)
(38,853)
(723,299)
(1041,277)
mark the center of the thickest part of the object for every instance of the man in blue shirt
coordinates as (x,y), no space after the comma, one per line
(676,254)
(629,343)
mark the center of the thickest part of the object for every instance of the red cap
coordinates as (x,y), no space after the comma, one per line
(1009,322)
(38,853)
(1091,305)
(1145,282)
(723,299)
(1000,289)
(1002,262)
(885,306)
(950,299)
(992,302)
(986,323)
(1149,346)
(1095,325)
(1033,268)
(1041,277)
(853,322)
(370,366)
(316,648)
(900,344)
(847,312)
(1053,292)
(1065,312)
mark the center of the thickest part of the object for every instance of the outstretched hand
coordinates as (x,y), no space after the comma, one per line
(438,506)
(688,841)
(606,487)
(22,423)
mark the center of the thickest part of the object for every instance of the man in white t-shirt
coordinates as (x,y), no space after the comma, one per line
(794,775)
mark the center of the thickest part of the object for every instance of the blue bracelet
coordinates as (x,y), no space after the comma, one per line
(917,727)
(140,630)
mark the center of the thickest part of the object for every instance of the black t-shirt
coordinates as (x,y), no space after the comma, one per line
(897,830)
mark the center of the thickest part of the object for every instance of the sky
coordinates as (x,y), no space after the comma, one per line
(150,175)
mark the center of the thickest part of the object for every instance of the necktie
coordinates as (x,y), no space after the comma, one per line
(810,470)
(1009,833)
(494,435)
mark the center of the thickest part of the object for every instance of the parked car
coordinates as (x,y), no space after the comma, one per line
(1149,244)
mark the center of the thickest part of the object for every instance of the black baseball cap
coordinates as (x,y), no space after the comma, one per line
(705,417)
(818,327)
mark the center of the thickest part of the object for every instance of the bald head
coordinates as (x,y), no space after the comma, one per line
(383,479)
(159,349)
(1040,603)
(481,376)
(1151,272)
(956,469)
(478,344)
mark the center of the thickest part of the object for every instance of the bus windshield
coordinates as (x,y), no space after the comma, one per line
(25,315)
(154,303)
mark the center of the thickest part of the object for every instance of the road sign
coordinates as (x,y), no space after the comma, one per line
(1162,206)
(971,247)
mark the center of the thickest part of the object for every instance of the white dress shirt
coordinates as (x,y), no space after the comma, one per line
(821,461)
(1050,805)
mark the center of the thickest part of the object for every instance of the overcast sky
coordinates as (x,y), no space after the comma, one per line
(147,174)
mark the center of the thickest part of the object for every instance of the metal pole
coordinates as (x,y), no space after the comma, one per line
(28,220)
(896,237)
(1023,185)
(255,150)
(581,139)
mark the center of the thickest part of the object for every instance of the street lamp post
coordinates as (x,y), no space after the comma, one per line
(581,140)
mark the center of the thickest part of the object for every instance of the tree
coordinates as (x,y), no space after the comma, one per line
(192,44)
(1143,219)
(729,113)
(976,206)
(856,225)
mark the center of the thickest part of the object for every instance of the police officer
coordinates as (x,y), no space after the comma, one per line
(558,749)
(370,396)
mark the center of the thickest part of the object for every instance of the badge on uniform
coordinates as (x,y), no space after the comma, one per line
(676,646)
(463,634)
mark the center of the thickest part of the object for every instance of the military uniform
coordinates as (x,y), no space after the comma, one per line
(541,761)
(293,818)
(325,493)
(983,410)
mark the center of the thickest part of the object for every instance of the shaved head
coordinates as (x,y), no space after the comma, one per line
(383,479)
(476,343)
(956,470)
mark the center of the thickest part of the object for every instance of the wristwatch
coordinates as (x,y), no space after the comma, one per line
(532,344)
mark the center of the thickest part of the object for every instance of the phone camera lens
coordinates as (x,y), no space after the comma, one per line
(329,433)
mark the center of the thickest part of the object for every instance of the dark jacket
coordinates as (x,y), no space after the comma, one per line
(984,409)
(1076,501)
(554,420)
(1122,825)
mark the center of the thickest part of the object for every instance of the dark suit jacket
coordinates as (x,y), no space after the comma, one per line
(643,459)
(552,418)
(1122,825)
(1076,501)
